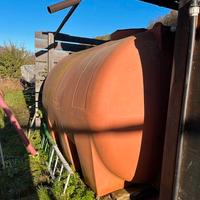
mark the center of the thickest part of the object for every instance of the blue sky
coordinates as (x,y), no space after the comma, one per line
(19,19)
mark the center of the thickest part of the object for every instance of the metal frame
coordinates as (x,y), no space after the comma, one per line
(55,158)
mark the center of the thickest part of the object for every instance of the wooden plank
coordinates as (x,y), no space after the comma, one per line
(71,47)
(76,39)
(174,108)
(50,52)
(58,55)
(121,195)
(42,58)
(70,38)
(188,175)
(41,73)
(46,64)
(40,64)
(136,192)
(42,44)
(39,53)
(188,162)
(41,35)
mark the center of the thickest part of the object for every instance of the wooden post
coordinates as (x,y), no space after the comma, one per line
(174,108)
(41,69)
(50,51)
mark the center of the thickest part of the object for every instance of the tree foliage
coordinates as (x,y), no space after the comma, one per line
(168,20)
(12,58)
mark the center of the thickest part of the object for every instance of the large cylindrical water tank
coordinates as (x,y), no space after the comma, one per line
(108,106)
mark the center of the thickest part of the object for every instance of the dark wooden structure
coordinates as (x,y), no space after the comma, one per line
(173,4)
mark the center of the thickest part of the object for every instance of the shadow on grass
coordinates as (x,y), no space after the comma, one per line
(16,181)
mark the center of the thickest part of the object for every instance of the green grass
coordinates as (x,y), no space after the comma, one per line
(27,177)
(17,103)
(18,180)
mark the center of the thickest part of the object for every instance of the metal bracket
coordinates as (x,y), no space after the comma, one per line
(194,11)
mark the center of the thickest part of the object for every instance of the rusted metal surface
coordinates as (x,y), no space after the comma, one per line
(62,5)
(175,102)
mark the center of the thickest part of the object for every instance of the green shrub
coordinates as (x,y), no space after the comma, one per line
(2,123)
(76,189)
(12,58)
(43,193)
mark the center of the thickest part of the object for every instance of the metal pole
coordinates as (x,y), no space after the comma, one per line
(65,19)
(56,149)
(51,158)
(31,125)
(62,5)
(55,165)
(66,184)
(61,170)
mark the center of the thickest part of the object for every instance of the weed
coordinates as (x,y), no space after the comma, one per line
(43,193)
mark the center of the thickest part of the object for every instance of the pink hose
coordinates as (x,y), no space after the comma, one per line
(17,126)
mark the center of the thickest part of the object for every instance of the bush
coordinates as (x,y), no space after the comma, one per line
(168,20)
(12,58)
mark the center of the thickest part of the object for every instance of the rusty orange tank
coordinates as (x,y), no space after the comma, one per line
(108,106)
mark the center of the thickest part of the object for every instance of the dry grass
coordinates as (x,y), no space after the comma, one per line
(10,85)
